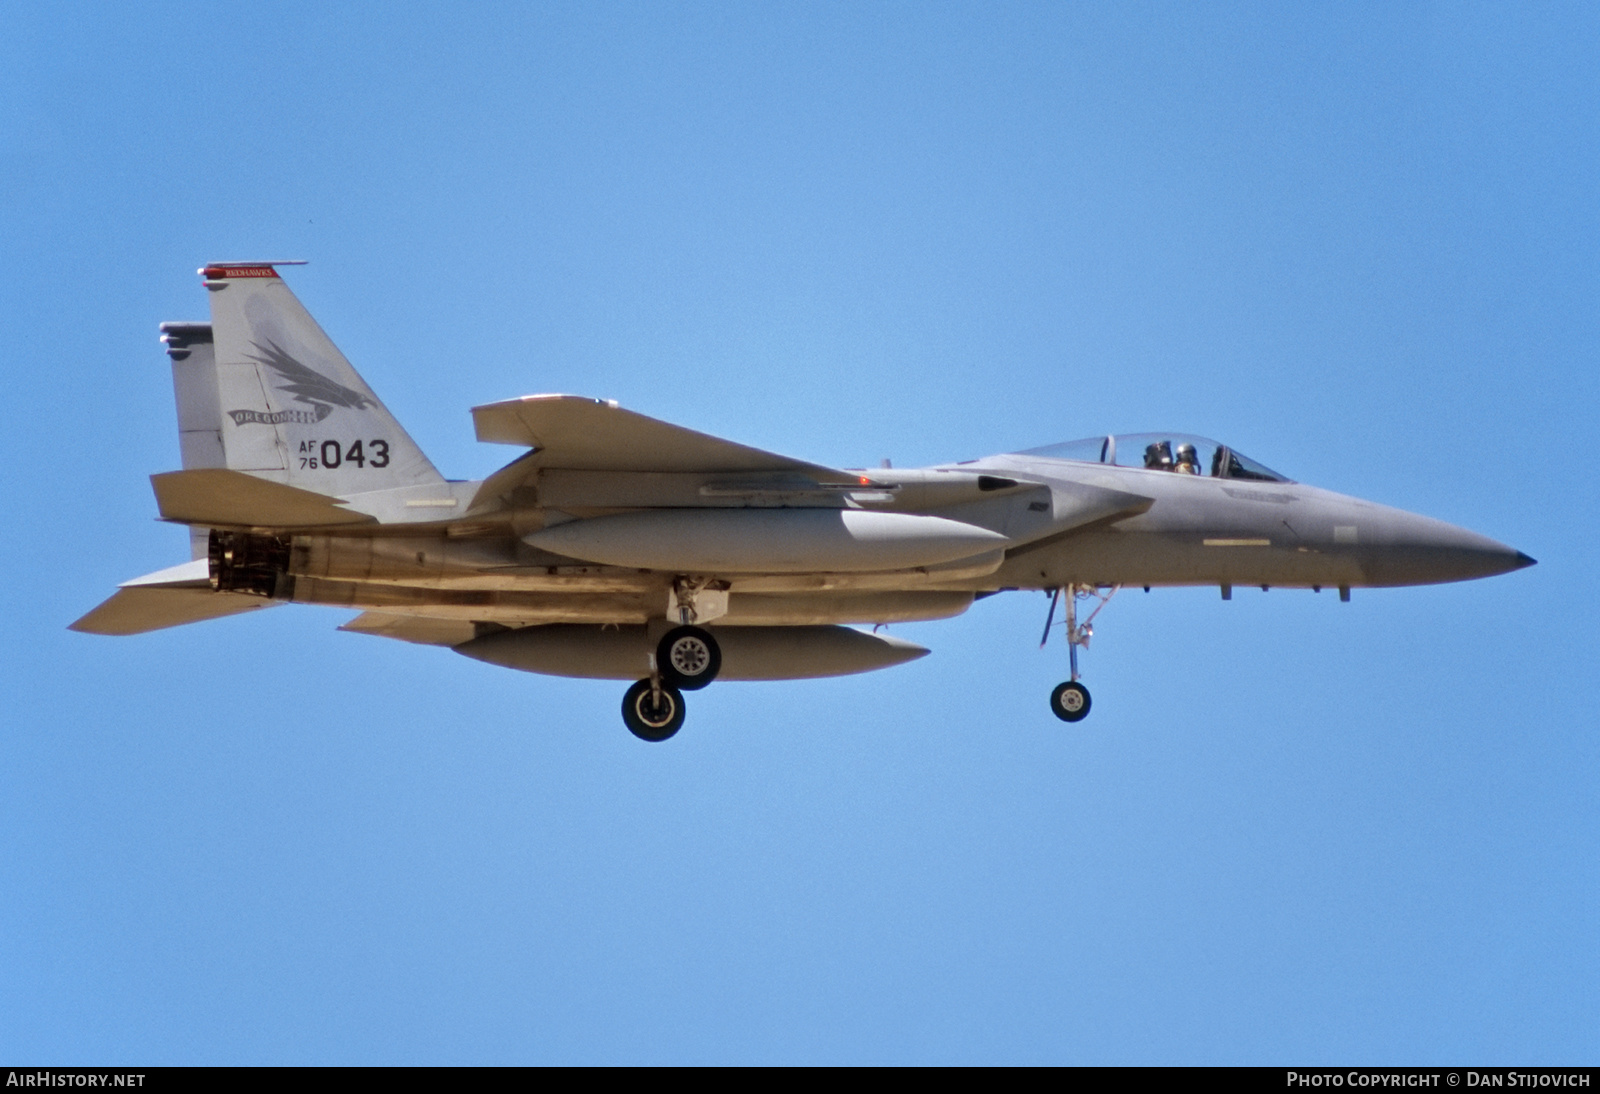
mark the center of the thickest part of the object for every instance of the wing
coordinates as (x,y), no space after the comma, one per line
(574,433)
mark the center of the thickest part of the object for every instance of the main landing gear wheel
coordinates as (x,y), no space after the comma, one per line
(1070,701)
(689,658)
(653,713)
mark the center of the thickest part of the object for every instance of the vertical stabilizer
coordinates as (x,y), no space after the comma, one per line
(289,407)
(194,387)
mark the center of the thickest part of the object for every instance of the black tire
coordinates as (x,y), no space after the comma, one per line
(1070,702)
(688,658)
(648,721)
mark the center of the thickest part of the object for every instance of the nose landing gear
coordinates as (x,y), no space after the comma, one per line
(1070,700)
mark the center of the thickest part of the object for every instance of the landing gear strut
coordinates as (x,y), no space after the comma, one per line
(1070,700)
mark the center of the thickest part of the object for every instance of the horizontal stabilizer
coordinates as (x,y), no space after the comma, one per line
(413,628)
(216,497)
(185,575)
(575,433)
(136,609)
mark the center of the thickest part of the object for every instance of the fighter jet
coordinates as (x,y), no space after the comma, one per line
(622,547)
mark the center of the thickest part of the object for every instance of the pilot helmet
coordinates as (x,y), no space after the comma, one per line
(1158,454)
(1187,454)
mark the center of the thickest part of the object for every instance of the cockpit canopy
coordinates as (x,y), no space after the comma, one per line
(1182,453)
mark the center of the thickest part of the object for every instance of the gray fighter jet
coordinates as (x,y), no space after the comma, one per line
(621,547)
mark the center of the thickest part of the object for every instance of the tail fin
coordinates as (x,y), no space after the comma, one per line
(267,393)
(194,386)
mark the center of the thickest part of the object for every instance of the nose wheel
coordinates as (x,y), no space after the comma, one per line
(1070,700)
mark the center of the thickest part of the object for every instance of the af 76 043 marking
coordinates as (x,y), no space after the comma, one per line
(330,455)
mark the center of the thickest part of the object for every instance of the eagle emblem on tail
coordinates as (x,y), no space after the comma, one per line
(306,385)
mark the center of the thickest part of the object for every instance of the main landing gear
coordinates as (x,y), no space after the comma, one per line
(686,659)
(1070,700)
(653,710)
(689,658)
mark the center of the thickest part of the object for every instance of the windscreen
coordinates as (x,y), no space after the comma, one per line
(1180,453)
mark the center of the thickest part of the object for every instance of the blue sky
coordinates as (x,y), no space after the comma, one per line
(1358,242)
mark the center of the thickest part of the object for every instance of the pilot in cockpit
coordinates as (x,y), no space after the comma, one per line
(1188,460)
(1158,456)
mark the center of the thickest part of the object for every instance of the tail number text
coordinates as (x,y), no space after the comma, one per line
(328,455)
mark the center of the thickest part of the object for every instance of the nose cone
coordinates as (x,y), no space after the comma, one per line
(1416,550)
